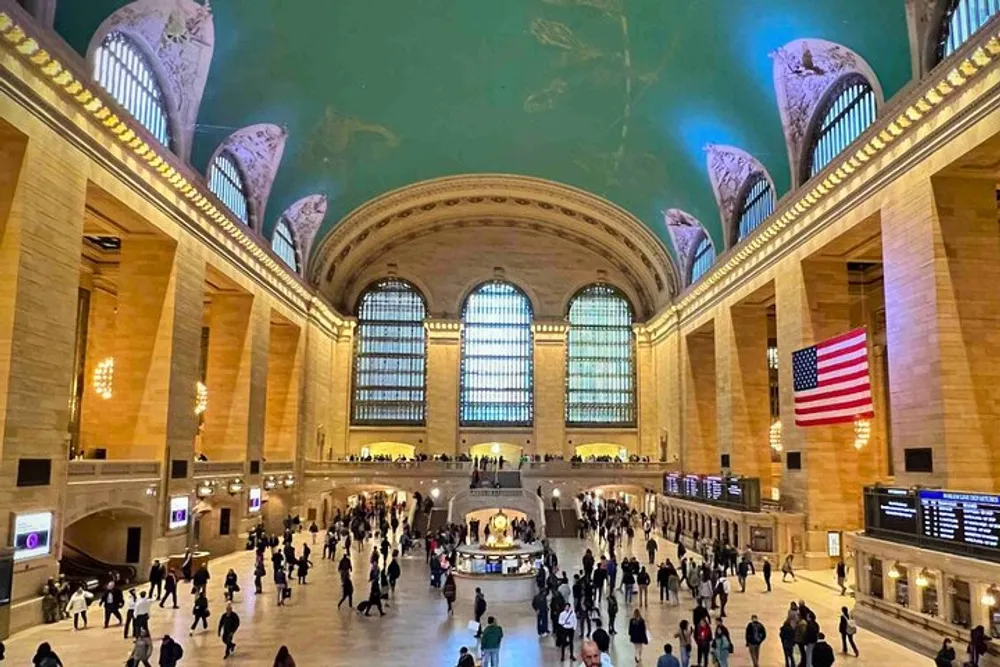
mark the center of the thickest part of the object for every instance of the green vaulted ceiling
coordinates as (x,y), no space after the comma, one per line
(618,97)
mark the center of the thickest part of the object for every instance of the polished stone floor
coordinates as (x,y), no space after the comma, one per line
(416,630)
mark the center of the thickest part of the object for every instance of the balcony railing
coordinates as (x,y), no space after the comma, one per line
(574,467)
(272,467)
(218,468)
(109,472)
(388,467)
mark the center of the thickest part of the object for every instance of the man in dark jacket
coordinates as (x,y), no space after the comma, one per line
(229,623)
(478,609)
(170,652)
(201,578)
(156,573)
(822,653)
(393,572)
(755,636)
(812,636)
(540,603)
(169,588)
(112,600)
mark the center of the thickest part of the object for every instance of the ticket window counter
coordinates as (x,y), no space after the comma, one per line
(902,597)
(762,540)
(929,595)
(876,582)
(961,603)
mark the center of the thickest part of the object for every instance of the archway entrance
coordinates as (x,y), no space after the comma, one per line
(117,540)
(388,450)
(494,450)
(602,451)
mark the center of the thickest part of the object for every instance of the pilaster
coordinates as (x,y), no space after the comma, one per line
(283,370)
(444,345)
(550,388)
(229,377)
(647,417)
(699,445)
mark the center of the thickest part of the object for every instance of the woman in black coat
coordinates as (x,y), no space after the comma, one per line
(200,611)
(637,633)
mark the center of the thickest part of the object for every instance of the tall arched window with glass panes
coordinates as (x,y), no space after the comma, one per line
(702,258)
(390,355)
(600,359)
(123,69)
(756,204)
(497,387)
(962,19)
(848,110)
(225,180)
(283,244)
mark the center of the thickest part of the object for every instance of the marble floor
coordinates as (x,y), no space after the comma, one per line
(417,630)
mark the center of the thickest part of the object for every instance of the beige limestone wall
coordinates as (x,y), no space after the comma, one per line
(284,367)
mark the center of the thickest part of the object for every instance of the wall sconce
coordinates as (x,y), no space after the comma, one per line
(923,579)
(862,432)
(200,398)
(270,483)
(235,486)
(893,571)
(205,490)
(104,378)
(774,435)
(289,481)
(435,493)
(556,493)
(989,598)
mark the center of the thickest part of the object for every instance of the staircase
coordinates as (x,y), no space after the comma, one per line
(437,519)
(80,567)
(560,523)
(509,479)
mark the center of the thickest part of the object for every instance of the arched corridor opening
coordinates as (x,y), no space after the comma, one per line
(117,540)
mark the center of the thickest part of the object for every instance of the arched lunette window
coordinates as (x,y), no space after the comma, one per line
(849,109)
(497,387)
(962,19)
(390,355)
(600,359)
(124,70)
(225,180)
(702,258)
(283,245)
(756,204)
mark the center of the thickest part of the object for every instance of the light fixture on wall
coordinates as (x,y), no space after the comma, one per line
(556,493)
(205,489)
(923,579)
(990,595)
(893,571)
(435,493)
(235,486)
(862,432)
(104,378)
(774,435)
(289,481)
(270,483)
(200,398)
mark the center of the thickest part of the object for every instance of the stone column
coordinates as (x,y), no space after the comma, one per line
(742,389)
(812,304)
(260,380)
(314,409)
(283,370)
(699,444)
(444,345)
(42,197)
(229,377)
(550,388)
(647,420)
(343,390)
(941,254)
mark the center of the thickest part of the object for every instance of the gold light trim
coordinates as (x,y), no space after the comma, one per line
(104,378)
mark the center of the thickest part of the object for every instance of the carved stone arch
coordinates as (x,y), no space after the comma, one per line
(804,71)
(257,150)
(305,217)
(686,232)
(120,500)
(731,171)
(925,21)
(498,200)
(179,38)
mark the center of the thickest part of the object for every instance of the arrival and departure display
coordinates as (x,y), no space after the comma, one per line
(952,521)
(741,493)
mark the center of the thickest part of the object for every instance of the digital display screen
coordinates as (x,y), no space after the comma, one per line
(741,493)
(254,499)
(966,518)
(672,484)
(897,511)
(692,487)
(712,489)
(178,512)
(734,490)
(32,535)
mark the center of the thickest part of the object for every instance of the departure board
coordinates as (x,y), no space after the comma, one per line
(964,518)
(741,493)
(712,489)
(692,487)
(672,484)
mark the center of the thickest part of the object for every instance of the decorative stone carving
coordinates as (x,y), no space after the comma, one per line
(686,232)
(804,70)
(305,217)
(258,150)
(729,168)
(180,37)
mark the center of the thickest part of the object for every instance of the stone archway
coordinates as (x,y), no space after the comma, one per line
(110,537)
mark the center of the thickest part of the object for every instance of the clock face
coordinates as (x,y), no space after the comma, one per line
(499,521)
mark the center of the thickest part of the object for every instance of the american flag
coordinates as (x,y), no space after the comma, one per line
(832,384)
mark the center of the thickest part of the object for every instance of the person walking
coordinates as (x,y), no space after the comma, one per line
(684,636)
(130,613)
(231,585)
(642,579)
(787,569)
(393,572)
(346,590)
(848,628)
(142,650)
(112,600)
(142,607)
(755,636)
(822,653)
(259,572)
(567,628)
(540,603)
(651,548)
(722,644)
(703,639)
(842,576)
(304,564)
(637,634)
(170,652)
(283,658)
(946,655)
(668,659)
(201,577)
(156,574)
(449,591)
(280,584)
(169,588)
(723,589)
(490,643)
(766,570)
(200,612)
(77,606)
(787,636)
(478,609)
(628,582)
(229,623)
(978,645)
(612,613)
(375,598)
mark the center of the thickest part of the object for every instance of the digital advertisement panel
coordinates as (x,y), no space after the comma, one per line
(178,512)
(254,499)
(32,535)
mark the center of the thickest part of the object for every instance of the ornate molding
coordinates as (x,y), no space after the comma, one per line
(396,217)
(180,35)
(729,168)
(804,70)
(686,232)
(305,218)
(258,150)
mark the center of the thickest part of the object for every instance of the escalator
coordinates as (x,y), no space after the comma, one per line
(437,520)
(560,523)
(81,568)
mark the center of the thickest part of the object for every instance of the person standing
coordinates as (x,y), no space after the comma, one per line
(787,636)
(478,609)
(812,635)
(170,652)
(703,639)
(231,585)
(142,650)
(822,653)
(637,634)
(156,574)
(465,658)
(684,637)
(612,612)
(755,636)
(540,603)
(946,655)
(280,584)
(449,592)
(46,657)
(77,606)
(169,588)
(668,659)
(229,623)
(651,549)
(643,580)
(283,658)
(567,628)
(723,588)
(722,644)
(258,577)
(766,569)
(848,628)
(842,576)
(200,612)
(112,600)
(201,577)
(490,643)
(142,606)
(130,613)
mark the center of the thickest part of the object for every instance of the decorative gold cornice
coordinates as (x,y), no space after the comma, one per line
(549,332)
(441,330)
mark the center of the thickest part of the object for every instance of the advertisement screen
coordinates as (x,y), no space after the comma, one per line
(32,535)
(254,499)
(178,512)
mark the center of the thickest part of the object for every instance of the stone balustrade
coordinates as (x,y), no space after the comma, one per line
(90,471)
(204,469)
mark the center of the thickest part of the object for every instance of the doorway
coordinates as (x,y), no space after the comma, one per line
(133,544)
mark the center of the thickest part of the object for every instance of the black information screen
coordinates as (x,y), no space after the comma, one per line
(672,484)
(971,519)
(897,511)
(713,489)
(742,493)
(692,487)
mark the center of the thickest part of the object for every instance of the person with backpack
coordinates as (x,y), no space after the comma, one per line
(722,644)
(229,623)
(703,640)
(722,590)
(755,636)
(822,653)
(848,628)
(170,652)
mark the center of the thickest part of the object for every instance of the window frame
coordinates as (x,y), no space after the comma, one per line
(698,253)
(242,188)
(632,406)
(155,91)
(292,241)
(745,203)
(945,27)
(529,359)
(353,419)
(816,130)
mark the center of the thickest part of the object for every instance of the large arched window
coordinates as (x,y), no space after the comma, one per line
(390,355)
(497,387)
(284,245)
(961,20)
(122,68)
(756,204)
(600,363)
(847,113)
(702,258)
(226,181)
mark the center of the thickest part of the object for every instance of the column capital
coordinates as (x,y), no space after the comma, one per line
(441,330)
(550,332)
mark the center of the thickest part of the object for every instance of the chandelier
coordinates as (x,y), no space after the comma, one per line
(201,398)
(862,432)
(104,377)
(774,435)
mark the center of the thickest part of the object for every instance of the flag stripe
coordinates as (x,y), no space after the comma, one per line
(834,420)
(844,395)
(832,380)
(852,385)
(859,352)
(855,371)
(836,340)
(840,403)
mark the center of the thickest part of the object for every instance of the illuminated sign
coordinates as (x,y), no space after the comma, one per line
(32,535)
(178,512)
(254,499)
